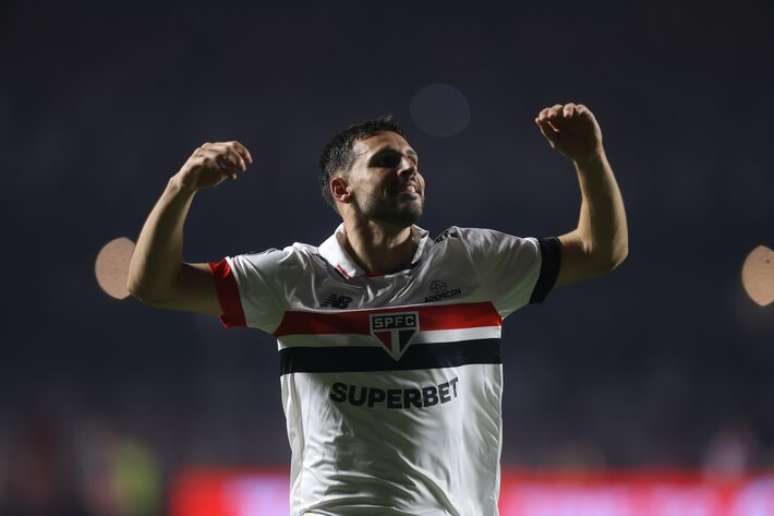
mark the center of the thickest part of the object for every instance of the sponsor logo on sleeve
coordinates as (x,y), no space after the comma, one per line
(336,301)
(440,290)
(438,286)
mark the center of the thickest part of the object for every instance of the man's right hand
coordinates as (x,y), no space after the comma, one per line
(212,163)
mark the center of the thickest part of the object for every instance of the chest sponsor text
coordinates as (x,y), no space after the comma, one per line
(422,397)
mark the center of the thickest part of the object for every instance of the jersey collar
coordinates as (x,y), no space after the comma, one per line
(333,252)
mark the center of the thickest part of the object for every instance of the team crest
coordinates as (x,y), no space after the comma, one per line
(395,330)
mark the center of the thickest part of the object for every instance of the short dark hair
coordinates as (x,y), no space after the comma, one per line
(337,154)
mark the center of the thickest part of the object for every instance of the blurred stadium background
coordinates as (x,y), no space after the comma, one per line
(649,391)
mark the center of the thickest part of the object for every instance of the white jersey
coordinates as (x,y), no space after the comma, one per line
(391,384)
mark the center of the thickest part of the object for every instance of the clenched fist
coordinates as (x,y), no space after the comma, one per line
(572,130)
(212,163)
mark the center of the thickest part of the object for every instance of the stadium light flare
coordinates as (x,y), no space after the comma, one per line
(758,275)
(112,267)
(440,110)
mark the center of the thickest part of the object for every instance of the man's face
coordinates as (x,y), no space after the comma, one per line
(385,180)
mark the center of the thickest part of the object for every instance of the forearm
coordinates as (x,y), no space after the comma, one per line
(602,223)
(158,253)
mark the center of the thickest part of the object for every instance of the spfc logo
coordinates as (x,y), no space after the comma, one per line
(395,330)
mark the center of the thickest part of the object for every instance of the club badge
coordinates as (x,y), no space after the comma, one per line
(395,330)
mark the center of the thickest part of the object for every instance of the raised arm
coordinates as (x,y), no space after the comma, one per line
(157,275)
(600,243)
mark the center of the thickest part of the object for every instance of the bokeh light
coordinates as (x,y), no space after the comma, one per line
(440,110)
(758,275)
(112,267)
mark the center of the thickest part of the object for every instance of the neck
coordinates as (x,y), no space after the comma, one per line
(378,248)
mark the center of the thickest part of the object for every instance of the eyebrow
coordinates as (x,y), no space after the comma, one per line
(409,152)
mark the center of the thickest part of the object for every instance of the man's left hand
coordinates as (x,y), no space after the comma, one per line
(572,130)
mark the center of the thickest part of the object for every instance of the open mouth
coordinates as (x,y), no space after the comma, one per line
(410,189)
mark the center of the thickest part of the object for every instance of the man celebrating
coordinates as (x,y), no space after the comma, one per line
(389,341)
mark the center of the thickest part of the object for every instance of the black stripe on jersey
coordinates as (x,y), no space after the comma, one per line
(417,356)
(550,259)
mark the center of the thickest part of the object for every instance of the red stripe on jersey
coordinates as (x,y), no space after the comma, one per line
(439,317)
(228,294)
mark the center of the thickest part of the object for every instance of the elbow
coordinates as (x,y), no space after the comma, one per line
(149,288)
(154,297)
(611,260)
(618,256)
(618,261)
(140,292)
(136,292)
(134,284)
(132,287)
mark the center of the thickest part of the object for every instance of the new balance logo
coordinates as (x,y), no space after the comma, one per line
(335,301)
(449,233)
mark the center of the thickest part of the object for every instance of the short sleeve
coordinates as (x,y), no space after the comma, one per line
(250,288)
(513,271)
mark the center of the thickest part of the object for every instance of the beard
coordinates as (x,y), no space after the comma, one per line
(398,211)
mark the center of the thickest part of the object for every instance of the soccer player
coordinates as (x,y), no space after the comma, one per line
(389,340)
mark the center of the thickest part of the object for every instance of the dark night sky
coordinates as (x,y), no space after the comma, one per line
(98,108)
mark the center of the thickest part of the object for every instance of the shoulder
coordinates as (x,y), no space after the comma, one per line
(288,258)
(463,235)
(482,238)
